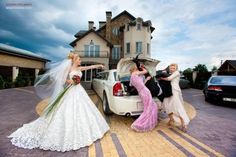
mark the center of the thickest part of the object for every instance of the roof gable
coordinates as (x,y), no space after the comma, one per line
(232,63)
(116,17)
(88,32)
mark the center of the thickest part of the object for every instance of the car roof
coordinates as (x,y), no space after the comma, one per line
(222,76)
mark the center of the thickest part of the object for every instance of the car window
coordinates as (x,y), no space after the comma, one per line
(102,76)
(125,78)
(98,76)
(224,80)
(115,74)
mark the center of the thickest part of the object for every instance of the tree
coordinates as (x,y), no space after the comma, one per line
(200,68)
(214,68)
(188,70)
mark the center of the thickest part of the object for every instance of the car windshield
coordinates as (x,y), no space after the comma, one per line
(224,80)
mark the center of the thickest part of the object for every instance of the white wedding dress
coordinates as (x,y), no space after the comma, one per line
(75,123)
(175,103)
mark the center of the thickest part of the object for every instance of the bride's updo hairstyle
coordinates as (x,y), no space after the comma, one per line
(70,55)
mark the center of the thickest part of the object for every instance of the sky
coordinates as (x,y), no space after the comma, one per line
(187,32)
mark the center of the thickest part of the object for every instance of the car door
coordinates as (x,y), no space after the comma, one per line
(101,84)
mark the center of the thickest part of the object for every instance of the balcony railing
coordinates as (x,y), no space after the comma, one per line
(92,54)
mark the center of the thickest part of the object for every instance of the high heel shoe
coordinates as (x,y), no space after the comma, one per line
(184,128)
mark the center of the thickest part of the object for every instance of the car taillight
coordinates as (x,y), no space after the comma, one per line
(215,88)
(117,89)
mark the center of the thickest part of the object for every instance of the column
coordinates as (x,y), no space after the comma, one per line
(36,72)
(15,72)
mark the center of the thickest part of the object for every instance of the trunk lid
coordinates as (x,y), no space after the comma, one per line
(124,65)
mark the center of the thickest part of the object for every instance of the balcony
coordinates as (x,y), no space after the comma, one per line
(92,54)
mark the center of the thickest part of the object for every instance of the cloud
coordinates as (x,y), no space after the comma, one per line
(55,53)
(6,33)
(187,32)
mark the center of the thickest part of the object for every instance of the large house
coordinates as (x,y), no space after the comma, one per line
(118,37)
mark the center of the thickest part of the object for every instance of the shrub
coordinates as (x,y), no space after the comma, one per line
(2,83)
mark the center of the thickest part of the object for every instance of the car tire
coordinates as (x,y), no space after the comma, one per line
(105,105)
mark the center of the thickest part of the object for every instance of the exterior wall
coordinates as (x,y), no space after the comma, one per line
(104,49)
(8,60)
(96,40)
(116,39)
(89,60)
(132,36)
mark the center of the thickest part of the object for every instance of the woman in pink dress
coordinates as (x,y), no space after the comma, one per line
(148,119)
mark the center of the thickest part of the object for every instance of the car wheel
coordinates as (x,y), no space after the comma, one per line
(105,105)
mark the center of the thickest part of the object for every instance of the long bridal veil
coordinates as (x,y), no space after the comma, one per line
(51,83)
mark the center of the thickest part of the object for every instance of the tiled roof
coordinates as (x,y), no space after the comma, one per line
(91,30)
(21,52)
(80,33)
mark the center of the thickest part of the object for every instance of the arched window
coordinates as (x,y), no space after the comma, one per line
(92,50)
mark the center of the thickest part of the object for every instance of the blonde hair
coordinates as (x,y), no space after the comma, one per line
(70,55)
(174,65)
(132,68)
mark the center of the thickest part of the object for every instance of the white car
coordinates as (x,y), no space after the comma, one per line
(112,86)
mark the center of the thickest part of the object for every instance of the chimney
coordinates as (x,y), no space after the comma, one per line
(108,15)
(90,25)
(101,23)
(108,25)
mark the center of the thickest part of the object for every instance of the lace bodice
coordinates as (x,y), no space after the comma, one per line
(75,72)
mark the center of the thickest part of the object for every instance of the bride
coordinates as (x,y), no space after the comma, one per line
(71,120)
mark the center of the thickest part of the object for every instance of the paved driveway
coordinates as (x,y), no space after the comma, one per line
(214,125)
(17,106)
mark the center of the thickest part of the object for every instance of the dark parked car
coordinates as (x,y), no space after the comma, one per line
(221,89)
(184,83)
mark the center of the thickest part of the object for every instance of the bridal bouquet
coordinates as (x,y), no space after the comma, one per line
(52,106)
(76,79)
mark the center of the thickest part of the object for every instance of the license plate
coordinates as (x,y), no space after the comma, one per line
(229,99)
(140,105)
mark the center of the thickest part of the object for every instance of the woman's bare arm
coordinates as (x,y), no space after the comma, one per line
(144,71)
(82,68)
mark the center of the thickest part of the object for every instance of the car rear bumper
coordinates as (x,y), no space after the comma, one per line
(129,105)
(222,97)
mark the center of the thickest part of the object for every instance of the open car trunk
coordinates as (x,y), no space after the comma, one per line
(123,73)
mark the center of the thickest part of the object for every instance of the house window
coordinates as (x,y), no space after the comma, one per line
(148,48)
(127,27)
(115,31)
(127,47)
(91,50)
(138,26)
(138,47)
(116,52)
